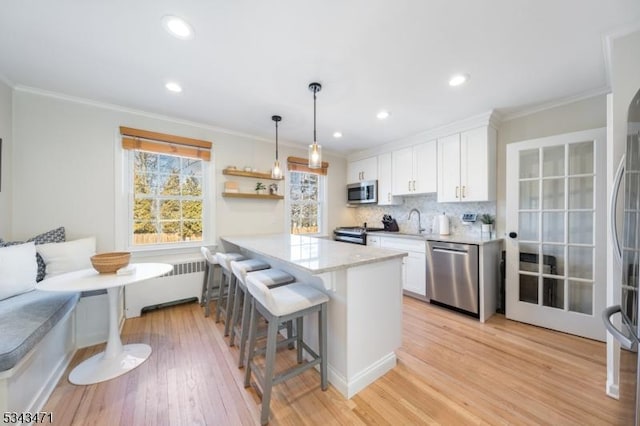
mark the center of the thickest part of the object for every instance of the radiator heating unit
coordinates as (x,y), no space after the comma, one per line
(182,284)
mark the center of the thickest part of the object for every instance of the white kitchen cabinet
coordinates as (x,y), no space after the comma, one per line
(467,166)
(415,169)
(365,169)
(385,181)
(414,266)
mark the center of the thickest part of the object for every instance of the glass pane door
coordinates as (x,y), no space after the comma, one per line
(556,254)
(556,221)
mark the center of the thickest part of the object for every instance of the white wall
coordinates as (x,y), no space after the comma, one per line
(584,114)
(64,169)
(5,166)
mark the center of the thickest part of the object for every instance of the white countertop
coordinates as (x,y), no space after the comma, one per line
(315,255)
(461,239)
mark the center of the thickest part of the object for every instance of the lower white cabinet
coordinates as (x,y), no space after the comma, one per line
(414,266)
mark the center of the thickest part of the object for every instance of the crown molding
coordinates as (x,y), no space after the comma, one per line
(607,47)
(119,108)
(6,81)
(555,103)
(490,118)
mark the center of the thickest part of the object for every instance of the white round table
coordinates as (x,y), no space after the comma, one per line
(117,358)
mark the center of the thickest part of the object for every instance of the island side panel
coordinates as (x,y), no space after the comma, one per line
(374,321)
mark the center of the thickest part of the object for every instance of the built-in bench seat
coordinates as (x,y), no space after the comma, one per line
(36,343)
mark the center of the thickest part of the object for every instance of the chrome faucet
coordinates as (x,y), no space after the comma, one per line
(420,228)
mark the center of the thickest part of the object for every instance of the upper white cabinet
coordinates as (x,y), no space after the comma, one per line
(415,169)
(385,179)
(366,169)
(467,166)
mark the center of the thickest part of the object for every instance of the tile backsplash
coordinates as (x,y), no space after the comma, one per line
(429,210)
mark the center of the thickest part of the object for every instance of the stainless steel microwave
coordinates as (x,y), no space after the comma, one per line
(365,192)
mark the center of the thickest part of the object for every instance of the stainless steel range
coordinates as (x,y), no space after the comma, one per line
(353,234)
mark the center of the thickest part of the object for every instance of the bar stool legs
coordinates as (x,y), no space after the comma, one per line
(279,305)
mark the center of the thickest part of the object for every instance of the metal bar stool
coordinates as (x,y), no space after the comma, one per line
(271,278)
(277,305)
(225,295)
(240,268)
(208,283)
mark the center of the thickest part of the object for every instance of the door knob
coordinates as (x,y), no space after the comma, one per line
(513,234)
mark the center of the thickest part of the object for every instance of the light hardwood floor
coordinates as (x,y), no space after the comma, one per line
(451,370)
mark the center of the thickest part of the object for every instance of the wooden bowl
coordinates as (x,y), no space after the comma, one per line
(109,263)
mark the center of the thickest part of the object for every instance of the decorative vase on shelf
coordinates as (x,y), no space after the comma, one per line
(487,228)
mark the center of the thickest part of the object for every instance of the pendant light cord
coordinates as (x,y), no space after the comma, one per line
(276,141)
(314,116)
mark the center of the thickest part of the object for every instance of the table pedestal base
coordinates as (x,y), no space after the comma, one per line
(98,369)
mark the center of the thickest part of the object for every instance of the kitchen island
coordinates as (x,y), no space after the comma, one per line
(364,285)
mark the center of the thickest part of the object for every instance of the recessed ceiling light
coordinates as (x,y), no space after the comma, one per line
(173,87)
(177,27)
(458,79)
(337,135)
(382,115)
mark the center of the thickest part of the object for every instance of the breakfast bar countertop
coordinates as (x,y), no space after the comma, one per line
(314,255)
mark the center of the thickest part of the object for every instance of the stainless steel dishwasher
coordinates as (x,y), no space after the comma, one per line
(452,276)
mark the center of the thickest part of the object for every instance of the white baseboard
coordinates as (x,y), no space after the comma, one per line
(613,390)
(349,388)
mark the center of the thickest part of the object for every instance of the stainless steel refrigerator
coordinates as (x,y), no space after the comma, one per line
(629,334)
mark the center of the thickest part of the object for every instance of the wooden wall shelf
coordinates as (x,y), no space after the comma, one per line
(235,172)
(249,195)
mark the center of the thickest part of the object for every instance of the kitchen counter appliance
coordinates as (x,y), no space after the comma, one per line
(353,234)
(452,276)
(365,192)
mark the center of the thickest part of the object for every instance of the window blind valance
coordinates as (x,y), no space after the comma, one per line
(299,164)
(165,144)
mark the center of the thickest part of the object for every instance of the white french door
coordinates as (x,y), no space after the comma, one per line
(556,248)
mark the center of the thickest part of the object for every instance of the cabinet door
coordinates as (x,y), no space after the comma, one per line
(354,171)
(425,172)
(369,168)
(385,197)
(477,164)
(365,169)
(416,273)
(449,168)
(402,171)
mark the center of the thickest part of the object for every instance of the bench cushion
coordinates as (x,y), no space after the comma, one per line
(26,318)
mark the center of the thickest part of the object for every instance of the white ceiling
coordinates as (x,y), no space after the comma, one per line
(251,59)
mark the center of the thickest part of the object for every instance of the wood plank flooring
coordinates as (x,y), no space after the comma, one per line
(451,370)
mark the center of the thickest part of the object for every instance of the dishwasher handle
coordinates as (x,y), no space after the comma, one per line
(460,252)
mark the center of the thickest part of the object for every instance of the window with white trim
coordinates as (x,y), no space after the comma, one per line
(307,204)
(166,179)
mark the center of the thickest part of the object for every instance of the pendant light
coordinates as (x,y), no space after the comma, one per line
(315,150)
(276,172)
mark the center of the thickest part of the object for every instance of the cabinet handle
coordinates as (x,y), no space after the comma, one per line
(409,184)
(414,185)
(388,196)
(464,195)
(457,192)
